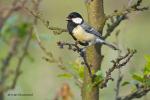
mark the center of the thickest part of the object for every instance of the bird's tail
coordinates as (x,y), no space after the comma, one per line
(106,43)
(110,45)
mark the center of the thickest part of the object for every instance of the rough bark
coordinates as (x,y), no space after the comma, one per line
(96,18)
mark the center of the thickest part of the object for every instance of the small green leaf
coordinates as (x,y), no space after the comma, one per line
(146,71)
(65,75)
(99,77)
(138,77)
(23,29)
(125,83)
(99,73)
(81,72)
(14,26)
(78,69)
(147,58)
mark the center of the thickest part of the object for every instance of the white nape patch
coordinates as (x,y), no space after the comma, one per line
(77,20)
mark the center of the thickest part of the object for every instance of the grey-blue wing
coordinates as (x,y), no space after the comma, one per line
(90,29)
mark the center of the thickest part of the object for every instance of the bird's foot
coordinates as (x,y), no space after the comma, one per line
(82,52)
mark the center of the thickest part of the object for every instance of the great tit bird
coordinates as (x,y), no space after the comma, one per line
(83,33)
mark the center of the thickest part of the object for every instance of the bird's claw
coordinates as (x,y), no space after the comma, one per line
(82,52)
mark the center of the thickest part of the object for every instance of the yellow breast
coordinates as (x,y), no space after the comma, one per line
(81,35)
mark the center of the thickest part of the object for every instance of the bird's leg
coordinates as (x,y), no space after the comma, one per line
(76,42)
(82,51)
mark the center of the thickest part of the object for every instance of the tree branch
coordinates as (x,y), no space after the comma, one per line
(121,15)
(76,48)
(118,63)
(114,23)
(117,89)
(140,92)
(55,30)
(21,58)
(17,72)
(18,66)
(52,59)
(125,11)
(15,6)
(25,49)
(96,18)
(120,76)
(6,61)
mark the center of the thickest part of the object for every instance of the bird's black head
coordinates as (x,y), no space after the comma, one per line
(75,17)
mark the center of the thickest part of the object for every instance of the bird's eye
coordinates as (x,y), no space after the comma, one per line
(71,16)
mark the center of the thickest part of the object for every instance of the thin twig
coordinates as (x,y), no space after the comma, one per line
(16,5)
(11,53)
(118,63)
(18,72)
(76,48)
(5,14)
(140,92)
(25,51)
(134,7)
(51,59)
(120,77)
(56,30)
(118,16)
(117,89)
(114,23)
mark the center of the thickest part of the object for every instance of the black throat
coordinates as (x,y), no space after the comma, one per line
(70,26)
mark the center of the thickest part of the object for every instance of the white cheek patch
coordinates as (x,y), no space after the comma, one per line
(77,20)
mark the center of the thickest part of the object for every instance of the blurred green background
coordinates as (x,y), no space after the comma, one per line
(40,77)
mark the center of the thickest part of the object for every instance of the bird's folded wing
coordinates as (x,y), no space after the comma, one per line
(90,29)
